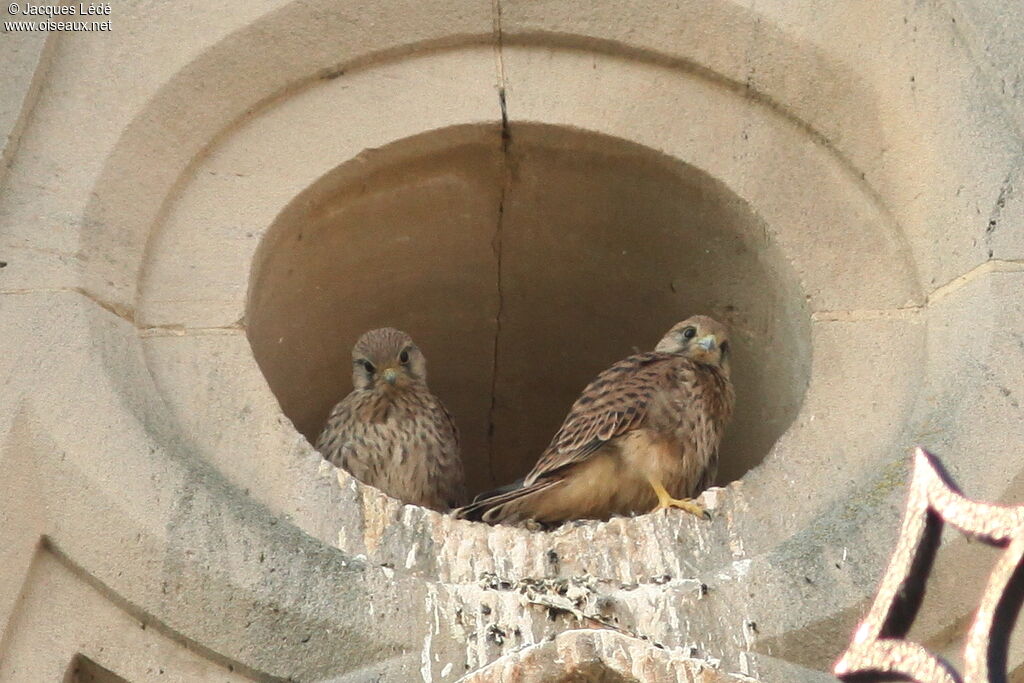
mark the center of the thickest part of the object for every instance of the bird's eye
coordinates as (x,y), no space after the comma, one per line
(404,356)
(689,333)
(369,366)
(724,346)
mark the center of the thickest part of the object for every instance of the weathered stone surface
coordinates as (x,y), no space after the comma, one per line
(857,171)
(25,58)
(590,655)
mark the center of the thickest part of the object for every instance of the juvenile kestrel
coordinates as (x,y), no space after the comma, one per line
(643,436)
(391,432)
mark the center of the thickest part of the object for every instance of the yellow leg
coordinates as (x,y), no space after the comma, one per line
(666,501)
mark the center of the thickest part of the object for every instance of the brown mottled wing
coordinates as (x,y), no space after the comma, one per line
(450,479)
(613,404)
(450,419)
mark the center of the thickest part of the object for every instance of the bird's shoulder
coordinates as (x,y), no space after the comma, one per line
(448,420)
(702,381)
(344,409)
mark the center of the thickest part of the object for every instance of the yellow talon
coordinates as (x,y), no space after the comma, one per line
(666,501)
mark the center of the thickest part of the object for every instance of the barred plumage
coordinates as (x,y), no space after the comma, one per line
(391,432)
(645,432)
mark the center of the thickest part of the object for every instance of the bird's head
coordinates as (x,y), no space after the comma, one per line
(699,338)
(387,358)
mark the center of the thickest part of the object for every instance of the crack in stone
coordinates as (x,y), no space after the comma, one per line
(1005,191)
(123,312)
(127,314)
(496,240)
(158,331)
(990,266)
(937,294)
(865,314)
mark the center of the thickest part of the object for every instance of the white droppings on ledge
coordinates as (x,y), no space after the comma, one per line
(712,497)
(410,559)
(741,568)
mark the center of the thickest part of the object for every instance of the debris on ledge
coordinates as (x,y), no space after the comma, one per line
(586,654)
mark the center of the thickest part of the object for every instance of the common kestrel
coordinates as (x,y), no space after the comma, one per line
(643,436)
(391,432)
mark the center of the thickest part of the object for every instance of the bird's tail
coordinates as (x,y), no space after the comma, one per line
(504,506)
(517,484)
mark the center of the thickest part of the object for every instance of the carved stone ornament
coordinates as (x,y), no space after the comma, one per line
(879,650)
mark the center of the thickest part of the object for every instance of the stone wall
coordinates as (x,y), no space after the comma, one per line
(199,211)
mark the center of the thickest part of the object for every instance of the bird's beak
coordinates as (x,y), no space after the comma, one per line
(390,375)
(707,343)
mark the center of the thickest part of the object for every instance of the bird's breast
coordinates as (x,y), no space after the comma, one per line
(647,454)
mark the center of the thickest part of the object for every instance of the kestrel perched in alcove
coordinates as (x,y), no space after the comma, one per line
(643,436)
(391,432)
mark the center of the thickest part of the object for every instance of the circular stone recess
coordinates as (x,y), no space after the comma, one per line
(522,269)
